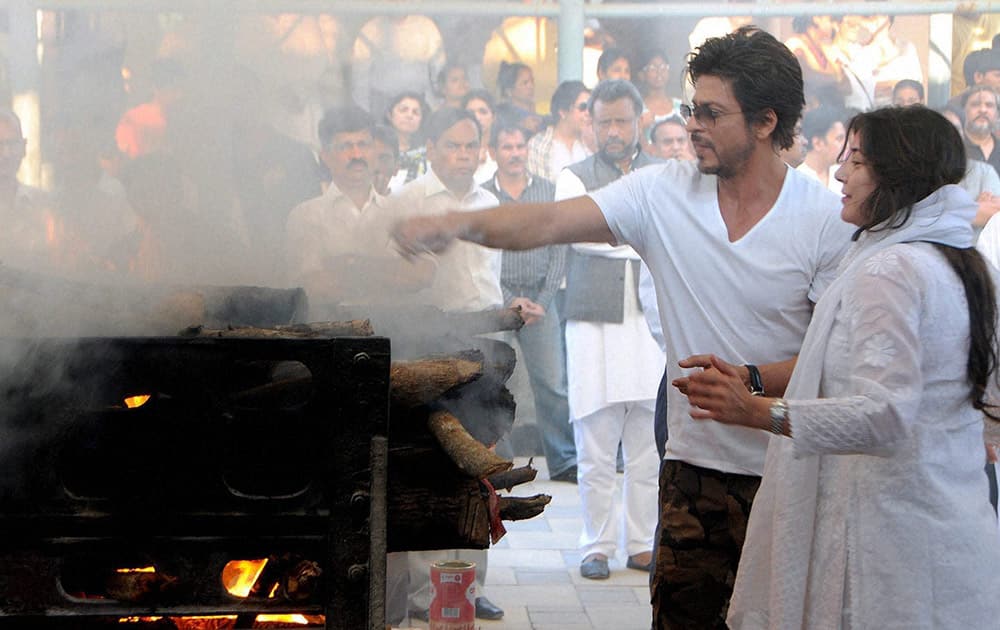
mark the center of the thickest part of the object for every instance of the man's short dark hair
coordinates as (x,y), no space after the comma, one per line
(611,90)
(763,74)
(565,96)
(819,121)
(506,125)
(903,84)
(387,136)
(447,117)
(343,120)
(972,64)
(976,89)
(672,119)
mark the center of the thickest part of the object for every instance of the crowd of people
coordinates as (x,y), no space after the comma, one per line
(760,317)
(829,370)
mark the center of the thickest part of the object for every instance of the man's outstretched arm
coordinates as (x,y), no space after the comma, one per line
(514,226)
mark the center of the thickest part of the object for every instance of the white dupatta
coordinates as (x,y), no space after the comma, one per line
(771,589)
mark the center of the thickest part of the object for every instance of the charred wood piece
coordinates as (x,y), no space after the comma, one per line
(514,477)
(423,381)
(351,328)
(522,508)
(471,456)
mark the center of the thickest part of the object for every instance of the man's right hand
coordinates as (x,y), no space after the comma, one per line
(531,311)
(420,235)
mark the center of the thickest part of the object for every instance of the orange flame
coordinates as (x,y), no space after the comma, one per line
(239,576)
(136,570)
(299,619)
(133,402)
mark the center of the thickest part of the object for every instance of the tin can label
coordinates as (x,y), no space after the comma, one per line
(453,595)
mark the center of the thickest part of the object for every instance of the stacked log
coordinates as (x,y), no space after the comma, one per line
(449,406)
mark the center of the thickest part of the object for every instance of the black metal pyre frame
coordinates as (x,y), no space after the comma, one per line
(227,460)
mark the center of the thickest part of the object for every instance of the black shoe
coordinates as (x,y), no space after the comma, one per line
(568,475)
(422,615)
(485,609)
(632,563)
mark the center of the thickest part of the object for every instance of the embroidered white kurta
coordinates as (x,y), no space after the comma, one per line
(876,513)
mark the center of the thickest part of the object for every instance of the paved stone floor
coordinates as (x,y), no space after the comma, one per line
(534,572)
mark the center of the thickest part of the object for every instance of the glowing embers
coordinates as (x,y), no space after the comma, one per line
(287,576)
(241,576)
(134,402)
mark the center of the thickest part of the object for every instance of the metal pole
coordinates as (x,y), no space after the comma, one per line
(537,8)
(570,40)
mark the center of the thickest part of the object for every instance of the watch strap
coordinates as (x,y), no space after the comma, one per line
(756,382)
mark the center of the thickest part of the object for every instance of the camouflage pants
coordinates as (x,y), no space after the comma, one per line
(703,522)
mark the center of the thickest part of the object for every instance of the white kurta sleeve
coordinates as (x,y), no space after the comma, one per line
(881,310)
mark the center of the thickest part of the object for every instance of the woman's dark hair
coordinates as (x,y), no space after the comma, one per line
(647,55)
(763,74)
(507,77)
(480,95)
(913,151)
(565,97)
(424,112)
(608,59)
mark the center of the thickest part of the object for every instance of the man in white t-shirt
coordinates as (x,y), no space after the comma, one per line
(739,246)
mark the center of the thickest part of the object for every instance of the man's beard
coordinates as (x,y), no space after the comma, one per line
(617,156)
(731,163)
(980,127)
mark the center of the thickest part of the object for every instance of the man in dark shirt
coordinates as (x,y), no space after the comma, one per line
(530,279)
(980,106)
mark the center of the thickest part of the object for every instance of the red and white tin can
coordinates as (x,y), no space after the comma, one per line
(453,595)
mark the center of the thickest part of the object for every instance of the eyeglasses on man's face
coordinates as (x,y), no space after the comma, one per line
(704,114)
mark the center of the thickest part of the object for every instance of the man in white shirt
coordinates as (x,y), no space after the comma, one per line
(740,247)
(337,245)
(467,279)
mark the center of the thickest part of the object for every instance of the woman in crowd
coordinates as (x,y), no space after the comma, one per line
(452,85)
(480,103)
(406,114)
(516,87)
(873,511)
(652,78)
(614,64)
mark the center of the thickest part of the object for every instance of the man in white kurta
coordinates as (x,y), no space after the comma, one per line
(613,363)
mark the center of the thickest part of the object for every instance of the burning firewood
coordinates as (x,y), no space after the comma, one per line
(471,456)
(423,381)
(136,585)
(522,508)
(303,580)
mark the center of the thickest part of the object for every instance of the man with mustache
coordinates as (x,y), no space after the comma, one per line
(606,336)
(739,246)
(980,106)
(531,280)
(336,246)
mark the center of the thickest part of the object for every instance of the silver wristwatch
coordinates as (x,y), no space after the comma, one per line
(779,416)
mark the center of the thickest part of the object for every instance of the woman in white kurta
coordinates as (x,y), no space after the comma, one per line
(873,511)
